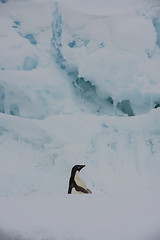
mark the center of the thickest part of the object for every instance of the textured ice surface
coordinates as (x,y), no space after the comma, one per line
(117,53)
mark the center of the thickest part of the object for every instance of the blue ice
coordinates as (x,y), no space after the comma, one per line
(31,38)
(156,23)
(2,97)
(72,44)
(56,40)
(125,107)
(30,63)
(101,45)
(17,23)
(14,110)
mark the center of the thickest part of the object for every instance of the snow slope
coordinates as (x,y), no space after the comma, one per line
(79,84)
(121,156)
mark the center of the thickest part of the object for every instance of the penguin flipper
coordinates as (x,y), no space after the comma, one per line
(80,189)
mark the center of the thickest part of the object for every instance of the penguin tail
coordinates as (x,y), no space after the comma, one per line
(88,190)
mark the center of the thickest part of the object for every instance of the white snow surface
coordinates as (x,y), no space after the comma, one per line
(49,123)
(81,217)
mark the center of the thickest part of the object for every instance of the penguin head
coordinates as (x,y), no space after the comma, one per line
(77,168)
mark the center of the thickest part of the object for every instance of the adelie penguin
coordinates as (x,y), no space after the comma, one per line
(76,184)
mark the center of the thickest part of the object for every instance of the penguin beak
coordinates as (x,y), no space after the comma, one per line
(83,166)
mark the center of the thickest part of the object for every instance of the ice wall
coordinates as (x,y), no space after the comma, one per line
(30,84)
(115,53)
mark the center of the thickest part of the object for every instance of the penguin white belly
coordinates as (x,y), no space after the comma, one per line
(79,181)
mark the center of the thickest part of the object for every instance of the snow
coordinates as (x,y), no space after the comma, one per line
(52,146)
(79,84)
(122,46)
(81,217)
(124,180)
